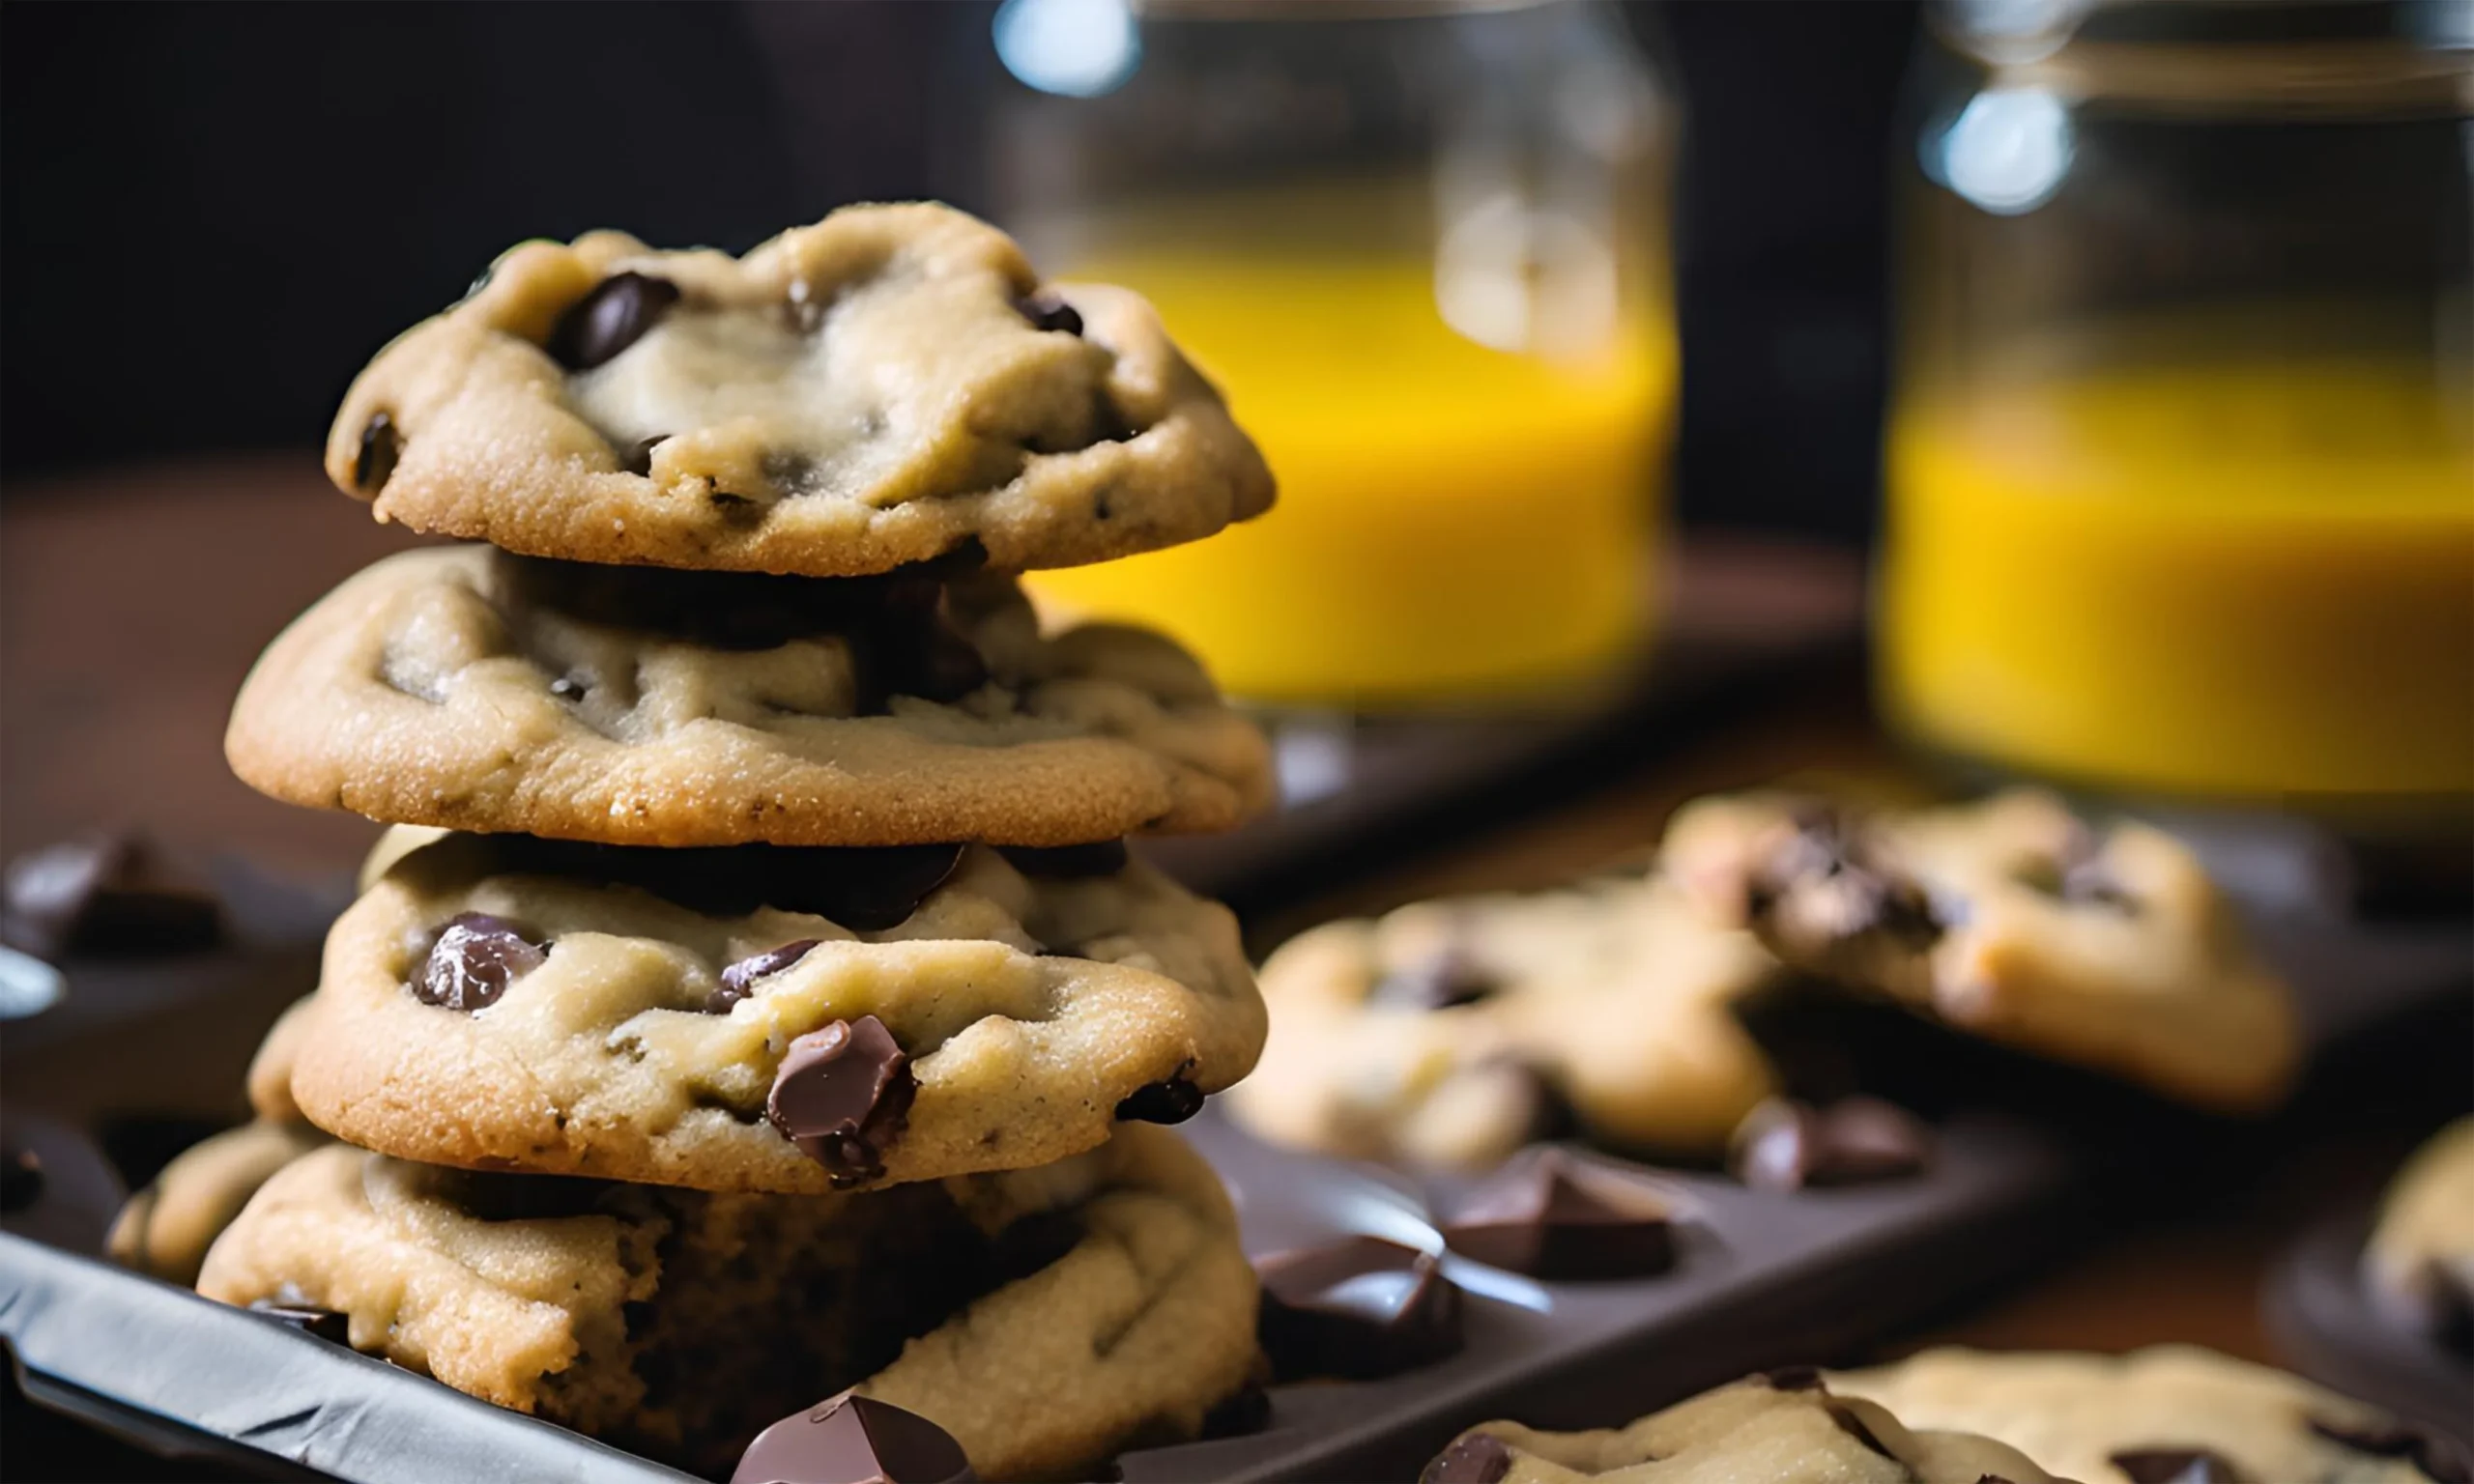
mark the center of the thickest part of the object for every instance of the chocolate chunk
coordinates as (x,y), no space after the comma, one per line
(2436,1457)
(1473,1458)
(2175,1465)
(1068,862)
(1552,1216)
(1438,981)
(853,1439)
(1048,311)
(105,894)
(866,890)
(1784,1145)
(1173,1101)
(843,1095)
(614,316)
(1358,1309)
(475,957)
(20,1178)
(1794,1378)
(381,446)
(321,1323)
(738,980)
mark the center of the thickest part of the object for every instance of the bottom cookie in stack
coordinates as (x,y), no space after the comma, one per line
(1045,1318)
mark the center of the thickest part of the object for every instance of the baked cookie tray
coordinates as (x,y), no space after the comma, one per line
(2028,1159)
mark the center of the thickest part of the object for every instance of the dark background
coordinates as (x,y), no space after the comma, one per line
(211,213)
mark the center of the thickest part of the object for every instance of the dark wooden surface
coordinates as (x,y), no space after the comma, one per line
(130,606)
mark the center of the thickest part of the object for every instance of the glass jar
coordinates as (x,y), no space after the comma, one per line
(1422,250)
(2180,466)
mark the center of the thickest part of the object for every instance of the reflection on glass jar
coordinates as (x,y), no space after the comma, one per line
(1422,250)
(2182,465)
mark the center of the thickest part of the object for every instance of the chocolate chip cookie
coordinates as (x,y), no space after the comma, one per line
(2419,1264)
(468,688)
(761,1018)
(2011,919)
(2169,1414)
(888,385)
(1451,1031)
(1786,1428)
(1043,1318)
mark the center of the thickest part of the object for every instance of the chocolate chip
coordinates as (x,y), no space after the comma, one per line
(475,957)
(2175,1465)
(1048,311)
(1438,981)
(1552,1216)
(1784,1145)
(20,1178)
(738,980)
(1794,1378)
(1473,1458)
(843,1095)
(1173,1101)
(2438,1458)
(1359,1308)
(321,1323)
(1068,862)
(853,1439)
(381,446)
(105,894)
(639,457)
(568,688)
(614,316)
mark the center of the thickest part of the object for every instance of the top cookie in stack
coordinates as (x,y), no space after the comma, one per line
(889,398)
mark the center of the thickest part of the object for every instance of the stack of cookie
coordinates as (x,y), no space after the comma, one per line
(756,1000)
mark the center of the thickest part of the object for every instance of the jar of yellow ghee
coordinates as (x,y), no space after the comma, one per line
(1421,248)
(2180,462)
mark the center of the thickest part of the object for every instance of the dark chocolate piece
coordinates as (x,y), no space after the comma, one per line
(1359,1308)
(1437,982)
(1048,311)
(1173,1101)
(329,1325)
(738,980)
(475,957)
(105,894)
(1794,1378)
(853,1439)
(2176,1466)
(2436,1456)
(381,446)
(1784,1145)
(20,1178)
(1473,1458)
(864,889)
(614,316)
(1552,1216)
(843,1095)
(1068,862)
